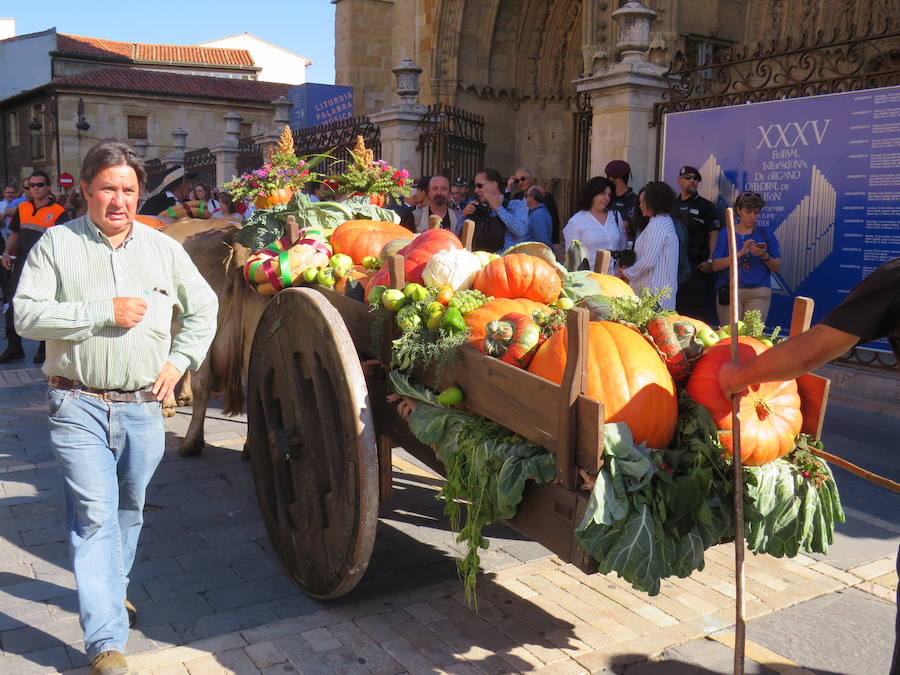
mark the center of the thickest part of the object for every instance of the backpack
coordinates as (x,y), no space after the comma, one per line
(685,271)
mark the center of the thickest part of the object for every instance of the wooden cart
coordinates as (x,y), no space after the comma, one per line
(320,432)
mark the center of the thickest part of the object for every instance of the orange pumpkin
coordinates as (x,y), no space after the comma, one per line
(362,238)
(625,374)
(479,318)
(281,196)
(769,412)
(519,276)
(377,199)
(611,286)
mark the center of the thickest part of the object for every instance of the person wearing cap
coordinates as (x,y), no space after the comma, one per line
(101,290)
(459,193)
(624,199)
(695,295)
(419,197)
(174,188)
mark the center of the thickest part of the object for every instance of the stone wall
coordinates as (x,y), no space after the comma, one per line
(364,31)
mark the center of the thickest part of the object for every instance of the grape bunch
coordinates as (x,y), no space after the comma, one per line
(468,301)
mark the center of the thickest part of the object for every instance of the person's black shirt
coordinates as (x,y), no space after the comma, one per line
(700,218)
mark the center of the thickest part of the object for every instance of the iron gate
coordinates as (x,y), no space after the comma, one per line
(337,139)
(201,164)
(451,142)
(582,125)
(250,155)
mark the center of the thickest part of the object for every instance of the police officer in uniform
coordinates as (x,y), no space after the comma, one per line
(695,296)
(30,221)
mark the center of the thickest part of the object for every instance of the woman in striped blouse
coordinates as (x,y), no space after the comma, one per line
(656,246)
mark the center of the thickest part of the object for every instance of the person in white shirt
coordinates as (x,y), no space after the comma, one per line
(657,245)
(595,225)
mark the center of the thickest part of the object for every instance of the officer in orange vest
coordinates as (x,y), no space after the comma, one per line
(30,221)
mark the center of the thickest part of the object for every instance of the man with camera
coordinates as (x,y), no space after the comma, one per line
(498,225)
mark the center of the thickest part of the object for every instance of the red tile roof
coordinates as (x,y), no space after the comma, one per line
(175,84)
(137,51)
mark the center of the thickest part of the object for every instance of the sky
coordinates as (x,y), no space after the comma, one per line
(305,27)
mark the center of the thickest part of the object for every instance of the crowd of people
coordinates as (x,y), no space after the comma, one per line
(658,237)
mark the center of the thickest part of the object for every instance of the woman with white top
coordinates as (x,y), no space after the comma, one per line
(656,247)
(595,225)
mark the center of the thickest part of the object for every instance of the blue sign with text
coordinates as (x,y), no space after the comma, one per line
(829,170)
(319,103)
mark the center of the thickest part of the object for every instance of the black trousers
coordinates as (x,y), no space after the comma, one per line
(13,341)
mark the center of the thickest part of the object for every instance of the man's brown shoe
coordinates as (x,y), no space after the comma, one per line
(109,663)
(132,613)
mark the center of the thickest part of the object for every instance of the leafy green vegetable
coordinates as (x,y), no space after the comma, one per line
(486,467)
(636,312)
(578,285)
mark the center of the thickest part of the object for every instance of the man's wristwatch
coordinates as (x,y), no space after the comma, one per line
(767,258)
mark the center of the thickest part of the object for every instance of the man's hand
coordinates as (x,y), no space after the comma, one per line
(728,379)
(165,382)
(492,196)
(6,261)
(128,312)
(469,210)
(705,267)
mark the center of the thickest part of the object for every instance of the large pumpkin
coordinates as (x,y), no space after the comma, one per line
(519,276)
(611,286)
(362,238)
(625,374)
(479,318)
(416,255)
(770,412)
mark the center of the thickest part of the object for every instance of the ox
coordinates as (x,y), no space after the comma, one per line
(211,245)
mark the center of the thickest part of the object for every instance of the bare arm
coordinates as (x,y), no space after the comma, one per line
(789,359)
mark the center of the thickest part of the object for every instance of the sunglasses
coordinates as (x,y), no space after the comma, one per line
(34,185)
(480,185)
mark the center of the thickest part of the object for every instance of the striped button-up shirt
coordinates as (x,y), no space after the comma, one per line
(65,297)
(657,259)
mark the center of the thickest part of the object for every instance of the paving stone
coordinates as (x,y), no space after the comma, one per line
(189,582)
(50,660)
(294,605)
(265,654)
(225,621)
(170,610)
(34,638)
(248,593)
(236,661)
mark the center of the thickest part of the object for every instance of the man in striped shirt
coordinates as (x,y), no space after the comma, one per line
(100,290)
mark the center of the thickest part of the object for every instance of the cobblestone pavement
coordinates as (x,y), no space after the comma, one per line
(212,597)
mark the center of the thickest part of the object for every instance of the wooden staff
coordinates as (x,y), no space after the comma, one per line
(740,628)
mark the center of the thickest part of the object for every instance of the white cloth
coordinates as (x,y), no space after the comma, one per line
(595,235)
(657,259)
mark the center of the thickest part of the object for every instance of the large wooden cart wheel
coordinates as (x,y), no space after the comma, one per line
(311,441)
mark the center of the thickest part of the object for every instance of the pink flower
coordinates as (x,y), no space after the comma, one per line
(404,173)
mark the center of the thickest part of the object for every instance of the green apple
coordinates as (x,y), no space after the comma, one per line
(309,275)
(393,299)
(707,337)
(325,277)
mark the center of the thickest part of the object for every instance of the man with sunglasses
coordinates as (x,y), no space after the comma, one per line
(695,295)
(518,184)
(31,220)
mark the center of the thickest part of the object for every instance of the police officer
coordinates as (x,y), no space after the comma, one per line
(695,296)
(30,221)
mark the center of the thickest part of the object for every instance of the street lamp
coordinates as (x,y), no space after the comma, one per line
(81,124)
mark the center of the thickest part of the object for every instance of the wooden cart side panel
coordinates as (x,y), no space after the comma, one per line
(813,390)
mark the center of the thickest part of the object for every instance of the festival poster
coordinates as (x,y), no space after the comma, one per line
(829,170)
(316,104)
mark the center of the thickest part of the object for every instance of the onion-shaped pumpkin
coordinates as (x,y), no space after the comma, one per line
(696,323)
(363,238)
(770,412)
(625,374)
(611,286)
(478,319)
(281,196)
(416,255)
(519,276)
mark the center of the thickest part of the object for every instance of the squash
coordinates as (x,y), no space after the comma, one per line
(519,276)
(416,255)
(478,319)
(625,374)
(676,342)
(282,196)
(611,286)
(696,323)
(281,264)
(769,412)
(362,238)
(513,338)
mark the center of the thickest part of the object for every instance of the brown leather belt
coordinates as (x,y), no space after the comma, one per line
(113,395)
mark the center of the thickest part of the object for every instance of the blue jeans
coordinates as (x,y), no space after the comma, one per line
(107,453)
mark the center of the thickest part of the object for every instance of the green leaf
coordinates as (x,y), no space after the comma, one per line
(635,554)
(599,307)
(689,554)
(578,285)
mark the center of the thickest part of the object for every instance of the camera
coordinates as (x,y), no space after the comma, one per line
(626,257)
(482,211)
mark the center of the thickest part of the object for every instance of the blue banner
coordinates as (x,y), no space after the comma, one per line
(829,170)
(319,103)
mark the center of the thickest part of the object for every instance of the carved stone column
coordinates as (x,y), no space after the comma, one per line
(400,125)
(179,144)
(622,98)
